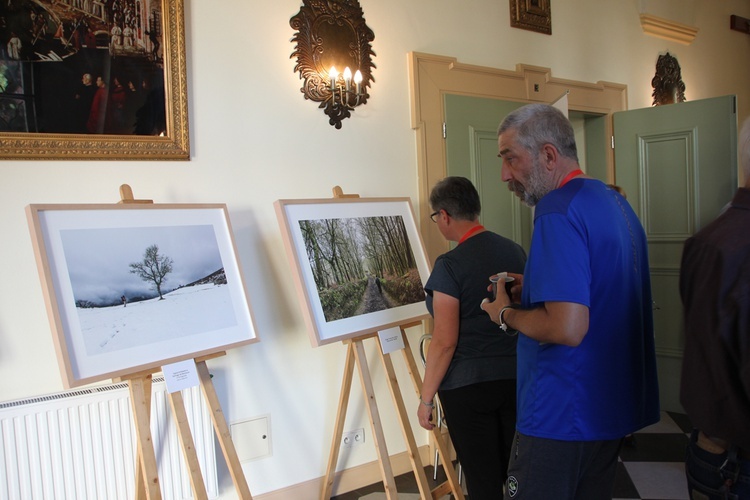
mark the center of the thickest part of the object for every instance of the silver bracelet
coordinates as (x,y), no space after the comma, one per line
(503,324)
(429,405)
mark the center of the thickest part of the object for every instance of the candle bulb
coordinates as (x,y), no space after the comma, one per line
(358,82)
(347,78)
(333,74)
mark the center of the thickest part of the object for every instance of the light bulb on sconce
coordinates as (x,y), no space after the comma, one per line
(348,78)
(333,75)
(358,82)
(343,95)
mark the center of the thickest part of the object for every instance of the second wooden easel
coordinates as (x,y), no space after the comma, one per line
(146,471)
(355,355)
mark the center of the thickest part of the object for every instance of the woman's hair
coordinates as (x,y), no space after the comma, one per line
(457,196)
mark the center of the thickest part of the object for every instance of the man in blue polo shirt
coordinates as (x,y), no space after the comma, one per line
(586,358)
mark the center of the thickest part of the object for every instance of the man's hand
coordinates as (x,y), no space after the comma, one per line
(493,307)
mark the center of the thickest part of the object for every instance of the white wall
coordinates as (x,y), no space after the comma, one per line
(255,139)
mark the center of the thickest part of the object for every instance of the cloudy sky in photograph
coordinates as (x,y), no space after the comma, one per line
(98,260)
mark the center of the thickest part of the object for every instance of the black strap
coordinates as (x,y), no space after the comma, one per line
(730,470)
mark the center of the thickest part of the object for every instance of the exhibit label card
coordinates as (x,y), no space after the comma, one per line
(391,340)
(180,375)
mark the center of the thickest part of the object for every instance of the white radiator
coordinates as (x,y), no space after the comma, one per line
(81,445)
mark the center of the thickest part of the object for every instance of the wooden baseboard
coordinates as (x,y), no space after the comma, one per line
(348,479)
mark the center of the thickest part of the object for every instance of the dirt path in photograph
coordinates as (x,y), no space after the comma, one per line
(375,298)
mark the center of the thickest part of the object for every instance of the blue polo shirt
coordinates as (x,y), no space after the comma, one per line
(588,247)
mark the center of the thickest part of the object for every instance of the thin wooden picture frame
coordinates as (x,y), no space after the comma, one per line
(156,41)
(116,307)
(532,15)
(348,222)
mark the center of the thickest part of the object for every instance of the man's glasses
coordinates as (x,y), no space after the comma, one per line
(433,215)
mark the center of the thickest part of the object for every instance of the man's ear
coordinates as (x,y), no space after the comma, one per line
(549,155)
(448,218)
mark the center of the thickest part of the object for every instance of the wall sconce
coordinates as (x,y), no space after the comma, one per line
(331,35)
(667,82)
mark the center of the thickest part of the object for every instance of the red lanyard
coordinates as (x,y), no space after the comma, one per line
(471,231)
(570,176)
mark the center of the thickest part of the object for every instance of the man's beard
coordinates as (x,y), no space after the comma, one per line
(536,185)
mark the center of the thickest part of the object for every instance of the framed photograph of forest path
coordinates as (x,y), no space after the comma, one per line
(131,287)
(93,80)
(359,264)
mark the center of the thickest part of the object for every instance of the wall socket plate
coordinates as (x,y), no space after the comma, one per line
(252,438)
(351,438)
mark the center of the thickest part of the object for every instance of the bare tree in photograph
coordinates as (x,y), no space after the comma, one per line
(153,268)
(314,253)
(387,245)
(333,251)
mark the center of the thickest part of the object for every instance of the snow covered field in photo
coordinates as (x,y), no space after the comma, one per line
(183,312)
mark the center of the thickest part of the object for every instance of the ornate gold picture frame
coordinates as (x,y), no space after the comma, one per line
(532,15)
(133,55)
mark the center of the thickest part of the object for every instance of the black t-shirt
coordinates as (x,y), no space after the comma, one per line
(484,352)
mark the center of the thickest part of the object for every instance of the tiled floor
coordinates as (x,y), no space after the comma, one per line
(651,468)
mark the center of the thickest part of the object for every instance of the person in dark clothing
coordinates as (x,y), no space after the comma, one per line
(83,98)
(150,118)
(715,384)
(470,363)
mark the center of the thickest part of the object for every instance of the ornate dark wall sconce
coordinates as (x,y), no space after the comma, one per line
(333,55)
(667,82)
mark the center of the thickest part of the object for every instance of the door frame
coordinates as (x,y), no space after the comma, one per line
(432,76)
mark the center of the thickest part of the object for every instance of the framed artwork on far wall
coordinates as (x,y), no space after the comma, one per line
(359,264)
(93,80)
(133,287)
(532,15)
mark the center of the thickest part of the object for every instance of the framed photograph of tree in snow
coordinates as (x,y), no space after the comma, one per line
(132,287)
(359,264)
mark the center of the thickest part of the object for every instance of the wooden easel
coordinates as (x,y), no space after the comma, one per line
(146,471)
(355,354)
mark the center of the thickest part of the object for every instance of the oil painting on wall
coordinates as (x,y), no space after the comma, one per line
(93,68)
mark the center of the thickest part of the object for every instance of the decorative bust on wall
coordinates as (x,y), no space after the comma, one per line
(667,82)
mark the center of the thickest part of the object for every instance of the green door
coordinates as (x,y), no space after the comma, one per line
(678,166)
(471,152)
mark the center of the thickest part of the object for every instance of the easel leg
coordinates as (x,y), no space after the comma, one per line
(442,446)
(147,475)
(333,457)
(411,444)
(386,470)
(222,432)
(188,446)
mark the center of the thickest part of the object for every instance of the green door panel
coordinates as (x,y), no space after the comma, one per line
(678,166)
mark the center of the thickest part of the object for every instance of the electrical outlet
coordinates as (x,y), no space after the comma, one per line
(349,439)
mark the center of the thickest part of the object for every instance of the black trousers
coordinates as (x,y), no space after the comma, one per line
(481,420)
